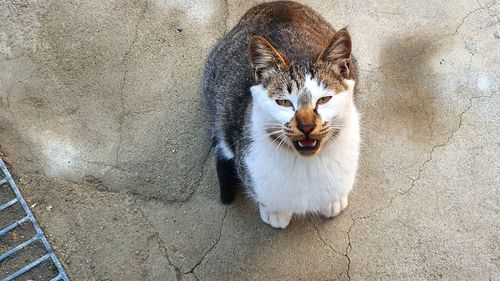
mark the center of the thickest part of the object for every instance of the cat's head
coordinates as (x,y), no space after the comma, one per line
(302,107)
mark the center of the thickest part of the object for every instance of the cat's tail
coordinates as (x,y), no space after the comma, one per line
(227,175)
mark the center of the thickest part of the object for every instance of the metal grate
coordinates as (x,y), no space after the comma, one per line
(38,236)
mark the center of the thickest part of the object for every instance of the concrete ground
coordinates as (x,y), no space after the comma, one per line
(100,121)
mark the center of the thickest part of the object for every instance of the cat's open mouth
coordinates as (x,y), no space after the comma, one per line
(306,146)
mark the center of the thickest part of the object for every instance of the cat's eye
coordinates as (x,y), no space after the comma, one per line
(285,103)
(323,100)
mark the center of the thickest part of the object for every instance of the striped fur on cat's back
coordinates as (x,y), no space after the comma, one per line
(278,93)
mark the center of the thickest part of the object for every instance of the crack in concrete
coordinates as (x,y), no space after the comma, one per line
(481,8)
(332,248)
(348,248)
(124,62)
(144,273)
(160,242)
(323,240)
(413,180)
(179,273)
(462,22)
(413,183)
(440,38)
(429,158)
(163,249)
(443,144)
(211,248)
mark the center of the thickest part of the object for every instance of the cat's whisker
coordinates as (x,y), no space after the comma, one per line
(250,137)
(336,140)
(276,155)
(263,137)
(278,150)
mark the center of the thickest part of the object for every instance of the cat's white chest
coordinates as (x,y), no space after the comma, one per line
(284,181)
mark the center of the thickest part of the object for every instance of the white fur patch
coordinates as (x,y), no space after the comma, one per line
(285,182)
(271,112)
(224,149)
(336,104)
(334,208)
(275,219)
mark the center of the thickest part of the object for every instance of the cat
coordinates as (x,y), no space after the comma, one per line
(278,94)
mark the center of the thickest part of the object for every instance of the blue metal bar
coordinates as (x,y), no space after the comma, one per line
(14,225)
(39,231)
(51,252)
(8,204)
(17,248)
(27,268)
(2,181)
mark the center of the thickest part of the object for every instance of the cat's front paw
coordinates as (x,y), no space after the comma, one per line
(335,208)
(275,219)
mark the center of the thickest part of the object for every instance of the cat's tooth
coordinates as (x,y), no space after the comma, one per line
(300,144)
(314,143)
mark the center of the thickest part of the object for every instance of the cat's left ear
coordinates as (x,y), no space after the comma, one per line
(337,55)
(266,60)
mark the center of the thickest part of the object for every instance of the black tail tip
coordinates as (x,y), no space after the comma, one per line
(228,179)
(227,195)
(227,198)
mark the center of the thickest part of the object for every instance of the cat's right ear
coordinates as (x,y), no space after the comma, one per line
(337,55)
(266,60)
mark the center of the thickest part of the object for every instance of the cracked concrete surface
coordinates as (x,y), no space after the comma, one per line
(100,118)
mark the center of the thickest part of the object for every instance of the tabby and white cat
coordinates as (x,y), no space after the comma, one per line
(278,92)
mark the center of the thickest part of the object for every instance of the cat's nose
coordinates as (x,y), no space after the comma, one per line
(306,128)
